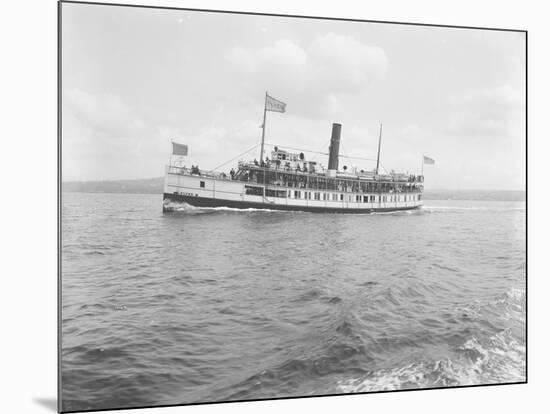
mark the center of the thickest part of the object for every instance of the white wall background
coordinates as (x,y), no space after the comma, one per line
(28,205)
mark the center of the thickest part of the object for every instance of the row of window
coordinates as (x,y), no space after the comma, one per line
(358,198)
(316,195)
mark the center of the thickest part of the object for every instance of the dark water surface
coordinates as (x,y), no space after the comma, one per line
(213,304)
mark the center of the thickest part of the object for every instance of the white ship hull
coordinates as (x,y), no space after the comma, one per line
(207,191)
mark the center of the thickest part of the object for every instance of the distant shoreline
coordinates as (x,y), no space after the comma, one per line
(155,186)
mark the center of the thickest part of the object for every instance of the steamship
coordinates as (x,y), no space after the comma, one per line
(288,181)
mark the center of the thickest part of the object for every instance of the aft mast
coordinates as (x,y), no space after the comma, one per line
(379,142)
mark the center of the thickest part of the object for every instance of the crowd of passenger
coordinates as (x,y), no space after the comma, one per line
(321,183)
(301,181)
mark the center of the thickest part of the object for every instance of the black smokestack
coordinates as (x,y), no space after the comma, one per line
(334,147)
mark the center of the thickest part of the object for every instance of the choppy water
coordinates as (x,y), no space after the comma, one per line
(214,304)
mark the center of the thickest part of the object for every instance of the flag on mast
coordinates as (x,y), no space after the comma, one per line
(428,160)
(274,105)
(179,149)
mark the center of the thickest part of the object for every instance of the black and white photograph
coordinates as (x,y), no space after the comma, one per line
(262,206)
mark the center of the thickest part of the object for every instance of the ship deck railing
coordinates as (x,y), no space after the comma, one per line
(348,182)
(367,176)
(172,169)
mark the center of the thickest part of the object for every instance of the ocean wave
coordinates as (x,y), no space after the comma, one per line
(507,306)
(393,213)
(218,308)
(516,295)
(285,376)
(426,207)
(188,208)
(173,206)
(429,208)
(501,359)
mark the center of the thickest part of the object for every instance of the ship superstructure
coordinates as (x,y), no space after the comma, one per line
(288,181)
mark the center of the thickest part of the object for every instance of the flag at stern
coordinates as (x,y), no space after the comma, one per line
(179,149)
(428,160)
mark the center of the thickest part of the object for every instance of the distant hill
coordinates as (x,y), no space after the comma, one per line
(156,185)
(145,186)
(479,195)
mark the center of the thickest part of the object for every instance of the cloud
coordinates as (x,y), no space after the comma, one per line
(482,140)
(284,53)
(243,59)
(283,57)
(490,113)
(502,95)
(315,78)
(104,137)
(343,64)
(105,113)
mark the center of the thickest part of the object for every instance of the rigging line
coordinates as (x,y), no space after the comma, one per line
(297,149)
(342,149)
(354,158)
(349,156)
(319,152)
(357,158)
(233,159)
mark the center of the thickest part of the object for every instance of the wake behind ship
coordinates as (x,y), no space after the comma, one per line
(288,181)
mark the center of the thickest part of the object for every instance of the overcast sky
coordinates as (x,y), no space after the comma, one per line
(135,79)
